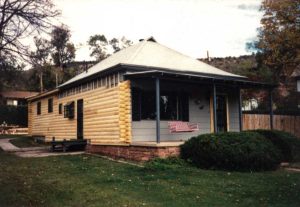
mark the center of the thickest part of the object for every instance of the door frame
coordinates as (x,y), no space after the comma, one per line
(212,112)
(79,136)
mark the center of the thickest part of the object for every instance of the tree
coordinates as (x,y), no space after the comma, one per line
(21,18)
(278,44)
(64,50)
(101,47)
(9,71)
(118,44)
(40,57)
(18,20)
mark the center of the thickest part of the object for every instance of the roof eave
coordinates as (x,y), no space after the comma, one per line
(42,95)
(242,83)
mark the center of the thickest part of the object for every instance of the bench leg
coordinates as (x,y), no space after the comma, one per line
(53,148)
(64,148)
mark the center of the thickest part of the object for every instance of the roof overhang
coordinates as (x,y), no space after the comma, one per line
(138,71)
(199,78)
(42,95)
(142,68)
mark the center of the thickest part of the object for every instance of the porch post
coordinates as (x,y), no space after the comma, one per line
(157,98)
(271,108)
(215,108)
(240,109)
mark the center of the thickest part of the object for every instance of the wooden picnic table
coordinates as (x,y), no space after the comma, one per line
(5,129)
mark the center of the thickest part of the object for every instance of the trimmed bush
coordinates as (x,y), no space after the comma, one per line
(241,151)
(288,144)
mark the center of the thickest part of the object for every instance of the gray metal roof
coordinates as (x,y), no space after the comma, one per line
(149,53)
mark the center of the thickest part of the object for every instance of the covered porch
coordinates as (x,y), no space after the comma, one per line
(158,98)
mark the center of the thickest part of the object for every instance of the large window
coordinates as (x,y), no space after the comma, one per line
(173,105)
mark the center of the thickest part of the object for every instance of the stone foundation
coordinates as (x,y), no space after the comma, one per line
(136,153)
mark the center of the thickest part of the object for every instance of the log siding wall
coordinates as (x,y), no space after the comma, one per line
(106,116)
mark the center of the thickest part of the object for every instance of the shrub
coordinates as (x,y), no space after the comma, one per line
(288,144)
(242,151)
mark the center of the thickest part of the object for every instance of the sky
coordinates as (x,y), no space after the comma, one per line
(192,27)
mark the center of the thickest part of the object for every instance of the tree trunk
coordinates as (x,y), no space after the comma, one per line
(56,77)
(41,81)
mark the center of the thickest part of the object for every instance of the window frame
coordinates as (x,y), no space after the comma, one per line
(69,110)
(181,106)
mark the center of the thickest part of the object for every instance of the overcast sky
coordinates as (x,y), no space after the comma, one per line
(190,26)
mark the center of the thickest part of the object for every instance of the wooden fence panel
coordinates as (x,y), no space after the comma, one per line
(287,123)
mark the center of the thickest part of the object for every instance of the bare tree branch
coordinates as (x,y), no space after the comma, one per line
(20,19)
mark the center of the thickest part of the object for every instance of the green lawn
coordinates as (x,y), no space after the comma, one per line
(5,136)
(92,181)
(25,141)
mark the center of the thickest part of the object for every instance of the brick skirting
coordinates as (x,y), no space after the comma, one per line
(136,153)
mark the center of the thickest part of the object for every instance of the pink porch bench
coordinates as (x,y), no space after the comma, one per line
(180,126)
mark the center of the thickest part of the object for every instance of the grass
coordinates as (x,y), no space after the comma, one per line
(295,165)
(5,136)
(85,180)
(25,141)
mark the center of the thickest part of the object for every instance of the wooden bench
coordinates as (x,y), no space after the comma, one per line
(67,144)
(180,126)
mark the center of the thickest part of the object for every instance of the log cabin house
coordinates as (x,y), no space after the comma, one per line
(141,102)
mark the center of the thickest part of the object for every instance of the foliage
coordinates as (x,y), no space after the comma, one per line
(279,37)
(39,58)
(10,74)
(98,45)
(84,180)
(244,151)
(101,47)
(64,50)
(288,144)
(13,115)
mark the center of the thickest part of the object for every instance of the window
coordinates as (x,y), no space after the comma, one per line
(112,81)
(69,110)
(60,108)
(50,105)
(11,102)
(173,105)
(38,108)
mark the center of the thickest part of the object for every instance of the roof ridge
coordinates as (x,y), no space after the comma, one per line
(142,44)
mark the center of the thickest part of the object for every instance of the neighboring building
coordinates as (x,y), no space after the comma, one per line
(128,104)
(250,104)
(15,98)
